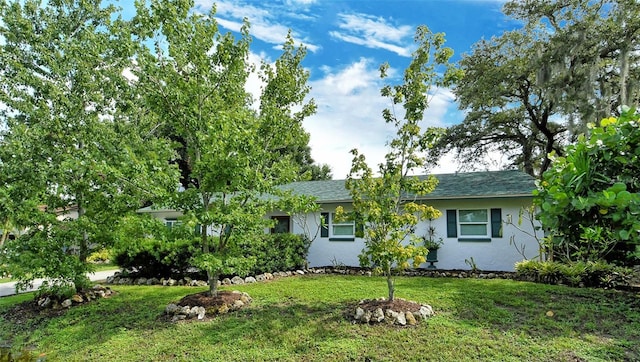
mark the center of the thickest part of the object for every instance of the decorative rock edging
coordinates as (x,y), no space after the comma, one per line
(119,278)
(365,315)
(179,312)
(87,295)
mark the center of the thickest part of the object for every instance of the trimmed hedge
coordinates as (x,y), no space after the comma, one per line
(584,274)
(277,252)
(171,255)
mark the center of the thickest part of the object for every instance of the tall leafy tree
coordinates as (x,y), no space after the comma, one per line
(531,91)
(230,156)
(590,55)
(508,110)
(387,202)
(72,116)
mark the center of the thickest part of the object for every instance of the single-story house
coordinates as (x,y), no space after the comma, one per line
(475,209)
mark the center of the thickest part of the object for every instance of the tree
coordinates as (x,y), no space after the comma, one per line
(531,91)
(507,110)
(309,170)
(387,203)
(589,200)
(73,124)
(229,156)
(590,56)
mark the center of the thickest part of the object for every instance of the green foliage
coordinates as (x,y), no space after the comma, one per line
(571,60)
(277,252)
(46,251)
(99,256)
(75,140)
(229,154)
(387,203)
(150,249)
(590,199)
(472,264)
(580,273)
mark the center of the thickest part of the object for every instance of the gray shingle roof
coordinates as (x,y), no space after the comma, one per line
(488,184)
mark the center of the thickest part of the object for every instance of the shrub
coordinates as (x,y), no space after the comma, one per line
(277,252)
(588,274)
(150,249)
(99,256)
(590,198)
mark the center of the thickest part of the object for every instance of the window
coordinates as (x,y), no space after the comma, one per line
(282,224)
(474,224)
(171,223)
(345,230)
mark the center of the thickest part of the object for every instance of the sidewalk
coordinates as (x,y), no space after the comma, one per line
(10,287)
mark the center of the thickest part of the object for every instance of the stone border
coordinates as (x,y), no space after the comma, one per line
(121,279)
(401,318)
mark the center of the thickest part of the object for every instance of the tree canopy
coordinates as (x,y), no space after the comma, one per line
(230,156)
(74,135)
(531,91)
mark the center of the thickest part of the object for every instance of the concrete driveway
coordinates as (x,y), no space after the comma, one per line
(10,287)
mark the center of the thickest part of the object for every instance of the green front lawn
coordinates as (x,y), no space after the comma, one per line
(303,319)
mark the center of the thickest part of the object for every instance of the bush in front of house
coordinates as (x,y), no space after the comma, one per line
(581,273)
(146,247)
(277,252)
(589,199)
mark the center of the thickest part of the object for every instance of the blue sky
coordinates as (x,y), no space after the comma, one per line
(347,40)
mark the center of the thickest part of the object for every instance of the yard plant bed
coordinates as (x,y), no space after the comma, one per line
(303,319)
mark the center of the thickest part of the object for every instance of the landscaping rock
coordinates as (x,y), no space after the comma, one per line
(237,280)
(377,316)
(410,319)
(200,312)
(77,298)
(226,281)
(66,303)
(171,309)
(250,280)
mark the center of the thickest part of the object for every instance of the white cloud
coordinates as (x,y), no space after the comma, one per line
(350,116)
(374,32)
(267,24)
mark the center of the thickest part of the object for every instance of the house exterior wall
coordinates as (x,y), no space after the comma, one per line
(496,254)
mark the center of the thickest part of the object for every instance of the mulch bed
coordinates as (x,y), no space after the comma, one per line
(396,305)
(205,300)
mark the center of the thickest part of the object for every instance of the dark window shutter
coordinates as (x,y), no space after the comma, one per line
(452,224)
(496,223)
(324,225)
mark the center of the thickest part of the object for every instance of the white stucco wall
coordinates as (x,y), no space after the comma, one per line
(496,255)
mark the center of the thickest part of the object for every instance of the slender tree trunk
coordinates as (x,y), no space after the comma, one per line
(84,242)
(213,283)
(390,284)
(624,73)
(5,232)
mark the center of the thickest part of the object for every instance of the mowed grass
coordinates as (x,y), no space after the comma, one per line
(303,319)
